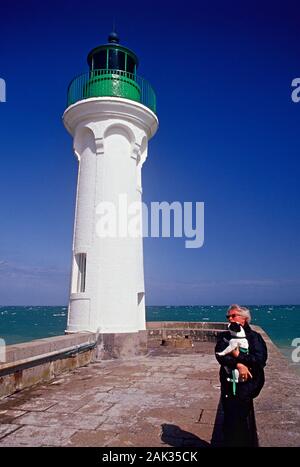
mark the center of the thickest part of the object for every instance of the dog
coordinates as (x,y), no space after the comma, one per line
(238,341)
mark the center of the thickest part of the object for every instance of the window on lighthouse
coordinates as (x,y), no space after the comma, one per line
(130,64)
(116,59)
(99,60)
(81,272)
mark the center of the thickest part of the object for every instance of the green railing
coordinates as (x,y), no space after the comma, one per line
(112,83)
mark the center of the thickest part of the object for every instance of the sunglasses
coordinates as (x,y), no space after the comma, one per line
(232,316)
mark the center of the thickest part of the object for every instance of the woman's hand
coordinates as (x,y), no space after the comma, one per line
(243,372)
(235,353)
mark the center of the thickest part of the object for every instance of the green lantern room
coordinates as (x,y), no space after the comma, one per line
(112,73)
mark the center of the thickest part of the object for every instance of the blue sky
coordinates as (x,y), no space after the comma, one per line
(228,136)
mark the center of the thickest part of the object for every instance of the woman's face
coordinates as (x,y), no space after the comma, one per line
(234,317)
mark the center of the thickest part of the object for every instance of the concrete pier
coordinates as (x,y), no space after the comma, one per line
(169,397)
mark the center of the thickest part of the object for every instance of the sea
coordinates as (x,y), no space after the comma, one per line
(25,323)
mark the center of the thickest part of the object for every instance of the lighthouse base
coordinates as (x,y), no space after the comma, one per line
(121,345)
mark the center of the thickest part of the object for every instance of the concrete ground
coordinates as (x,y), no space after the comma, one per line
(168,398)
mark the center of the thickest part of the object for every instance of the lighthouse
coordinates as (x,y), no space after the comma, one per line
(111,115)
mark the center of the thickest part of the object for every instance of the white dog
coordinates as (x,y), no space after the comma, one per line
(238,341)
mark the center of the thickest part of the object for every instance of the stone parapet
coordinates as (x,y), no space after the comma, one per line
(42,360)
(168,398)
(182,334)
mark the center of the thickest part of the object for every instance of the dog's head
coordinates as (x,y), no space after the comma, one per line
(236,329)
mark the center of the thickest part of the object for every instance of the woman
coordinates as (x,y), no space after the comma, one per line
(239,421)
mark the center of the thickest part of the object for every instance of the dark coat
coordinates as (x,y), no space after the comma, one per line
(255,360)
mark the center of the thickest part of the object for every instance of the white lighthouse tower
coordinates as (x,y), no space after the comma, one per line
(111,116)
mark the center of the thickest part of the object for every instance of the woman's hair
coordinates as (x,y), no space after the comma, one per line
(242,311)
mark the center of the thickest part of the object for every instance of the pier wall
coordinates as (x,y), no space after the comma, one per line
(42,360)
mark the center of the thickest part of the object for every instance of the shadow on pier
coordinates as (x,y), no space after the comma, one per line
(174,436)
